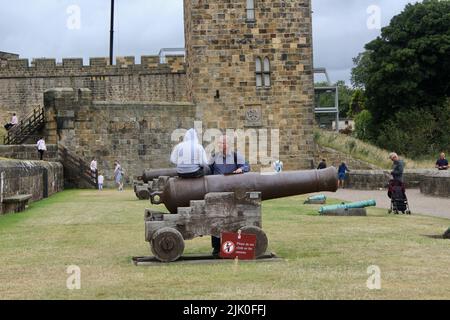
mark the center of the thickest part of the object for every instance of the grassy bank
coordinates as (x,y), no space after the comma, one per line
(325,257)
(364,151)
(2,135)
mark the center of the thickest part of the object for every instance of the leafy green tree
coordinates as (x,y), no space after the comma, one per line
(363,121)
(405,73)
(360,76)
(408,65)
(357,103)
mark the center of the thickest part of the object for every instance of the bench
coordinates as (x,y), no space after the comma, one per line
(15,203)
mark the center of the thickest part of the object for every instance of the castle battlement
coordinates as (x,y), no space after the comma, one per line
(43,67)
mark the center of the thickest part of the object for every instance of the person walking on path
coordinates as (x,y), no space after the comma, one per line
(41,148)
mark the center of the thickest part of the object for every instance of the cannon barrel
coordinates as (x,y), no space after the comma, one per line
(345,206)
(179,192)
(149,175)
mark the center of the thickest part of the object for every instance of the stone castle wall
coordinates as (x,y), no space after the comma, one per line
(222,47)
(38,178)
(28,152)
(138,134)
(22,85)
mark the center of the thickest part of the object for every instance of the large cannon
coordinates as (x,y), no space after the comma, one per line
(215,204)
(147,183)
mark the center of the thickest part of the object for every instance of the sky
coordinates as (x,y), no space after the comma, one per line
(80,28)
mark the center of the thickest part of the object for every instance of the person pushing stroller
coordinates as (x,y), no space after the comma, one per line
(396,189)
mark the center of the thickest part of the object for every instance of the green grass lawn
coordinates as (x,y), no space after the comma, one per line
(325,257)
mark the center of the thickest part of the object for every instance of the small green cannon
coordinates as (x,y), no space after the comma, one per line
(348,209)
(317,199)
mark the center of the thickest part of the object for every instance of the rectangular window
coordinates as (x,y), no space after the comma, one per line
(266,72)
(259,73)
(250,10)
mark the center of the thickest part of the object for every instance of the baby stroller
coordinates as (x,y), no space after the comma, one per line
(397,194)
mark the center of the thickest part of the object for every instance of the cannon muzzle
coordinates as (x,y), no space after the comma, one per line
(179,192)
(149,175)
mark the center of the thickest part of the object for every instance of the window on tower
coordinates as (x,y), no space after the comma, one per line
(250,10)
(259,73)
(262,67)
(266,72)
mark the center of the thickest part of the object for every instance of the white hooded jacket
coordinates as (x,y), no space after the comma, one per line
(189,155)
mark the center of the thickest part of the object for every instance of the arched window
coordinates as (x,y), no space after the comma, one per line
(250,10)
(259,72)
(266,72)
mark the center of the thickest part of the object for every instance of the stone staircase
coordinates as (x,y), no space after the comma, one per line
(77,173)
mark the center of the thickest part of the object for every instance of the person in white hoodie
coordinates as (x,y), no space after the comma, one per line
(190,157)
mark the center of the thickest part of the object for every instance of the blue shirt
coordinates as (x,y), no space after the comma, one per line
(227,165)
(342,168)
(442,163)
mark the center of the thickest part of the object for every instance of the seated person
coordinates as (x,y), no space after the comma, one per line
(442,163)
(14,122)
(190,157)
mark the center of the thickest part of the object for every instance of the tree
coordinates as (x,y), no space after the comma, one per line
(406,72)
(357,103)
(408,65)
(363,121)
(360,76)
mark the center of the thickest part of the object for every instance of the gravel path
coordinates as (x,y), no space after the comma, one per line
(418,203)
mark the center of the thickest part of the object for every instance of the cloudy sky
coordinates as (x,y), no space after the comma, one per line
(50,28)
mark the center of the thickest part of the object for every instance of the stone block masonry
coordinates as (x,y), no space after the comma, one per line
(38,178)
(28,152)
(138,134)
(22,85)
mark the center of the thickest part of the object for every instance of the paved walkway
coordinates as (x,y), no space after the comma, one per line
(418,203)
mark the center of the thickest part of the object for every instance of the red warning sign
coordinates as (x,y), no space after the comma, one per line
(238,245)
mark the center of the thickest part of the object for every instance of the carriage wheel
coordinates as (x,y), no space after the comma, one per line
(261,239)
(167,244)
(408,212)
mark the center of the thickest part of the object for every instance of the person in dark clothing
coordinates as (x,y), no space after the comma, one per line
(343,169)
(397,167)
(442,163)
(322,165)
(225,162)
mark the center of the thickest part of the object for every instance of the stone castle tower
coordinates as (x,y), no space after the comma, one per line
(249,65)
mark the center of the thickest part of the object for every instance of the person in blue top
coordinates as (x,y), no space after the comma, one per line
(341,174)
(225,162)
